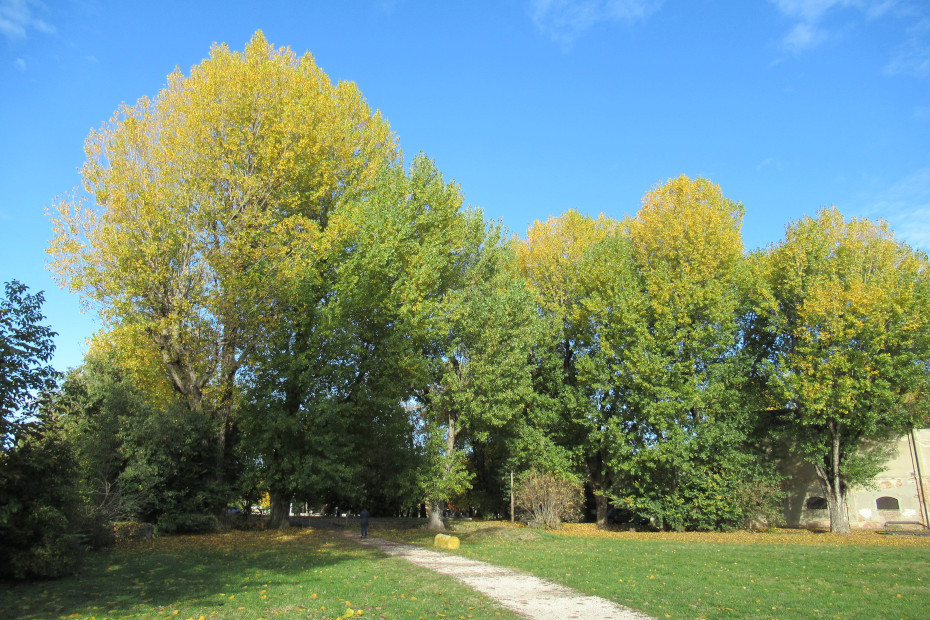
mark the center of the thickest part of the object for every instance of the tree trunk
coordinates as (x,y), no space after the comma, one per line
(280,511)
(600,502)
(221,453)
(189,382)
(600,482)
(839,519)
(512,505)
(832,480)
(435,523)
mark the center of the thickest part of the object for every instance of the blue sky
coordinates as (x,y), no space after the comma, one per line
(533,106)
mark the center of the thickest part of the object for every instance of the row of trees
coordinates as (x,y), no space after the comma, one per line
(682,367)
(290,308)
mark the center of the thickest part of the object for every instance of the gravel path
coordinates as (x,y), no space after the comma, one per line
(523,594)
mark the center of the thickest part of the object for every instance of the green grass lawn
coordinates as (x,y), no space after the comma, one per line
(739,575)
(312,574)
(299,574)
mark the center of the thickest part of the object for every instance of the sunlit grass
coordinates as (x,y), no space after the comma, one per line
(298,574)
(782,574)
(311,574)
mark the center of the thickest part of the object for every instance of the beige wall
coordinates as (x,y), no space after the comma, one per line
(898,481)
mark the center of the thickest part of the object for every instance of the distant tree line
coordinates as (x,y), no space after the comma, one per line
(292,309)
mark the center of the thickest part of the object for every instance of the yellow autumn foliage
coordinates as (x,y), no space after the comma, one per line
(687,244)
(202,205)
(551,259)
(773,537)
(133,353)
(852,295)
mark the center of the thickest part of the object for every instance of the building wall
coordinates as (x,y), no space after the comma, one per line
(868,508)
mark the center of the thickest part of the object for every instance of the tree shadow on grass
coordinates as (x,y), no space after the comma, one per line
(206,571)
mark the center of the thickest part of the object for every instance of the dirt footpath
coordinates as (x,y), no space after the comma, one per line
(521,593)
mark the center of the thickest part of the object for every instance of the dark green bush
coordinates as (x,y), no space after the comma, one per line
(37,503)
(185,523)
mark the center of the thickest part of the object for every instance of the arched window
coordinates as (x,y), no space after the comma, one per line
(887,503)
(816,503)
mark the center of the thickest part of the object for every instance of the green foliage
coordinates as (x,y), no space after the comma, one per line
(325,397)
(567,411)
(94,408)
(168,469)
(844,331)
(37,502)
(177,522)
(443,474)
(666,312)
(37,470)
(26,348)
(710,492)
(410,315)
(135,460)
(640,381)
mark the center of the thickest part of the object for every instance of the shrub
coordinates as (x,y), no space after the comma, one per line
(548,498)
(761,504)
(37,503)
(37,470)
(130,530)
(185,523)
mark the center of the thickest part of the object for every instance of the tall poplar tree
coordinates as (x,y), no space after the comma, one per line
(666,301)
(568,422)
(195,200)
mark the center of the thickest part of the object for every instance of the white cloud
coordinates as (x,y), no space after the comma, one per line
(770,162)
(809,11)
(809,15)
(16,19)
(874,10)
(905,205)
(564,20)
(912,57)
(20,64)
(802,37)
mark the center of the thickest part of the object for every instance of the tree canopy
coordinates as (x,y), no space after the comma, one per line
(200,200)
(37,474)
(26,348)
(847,333)
(293,309)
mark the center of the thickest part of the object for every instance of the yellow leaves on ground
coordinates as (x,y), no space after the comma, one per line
(774,537)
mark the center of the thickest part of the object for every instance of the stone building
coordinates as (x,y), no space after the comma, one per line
(895,495)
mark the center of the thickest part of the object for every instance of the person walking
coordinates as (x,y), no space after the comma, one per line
(364,519)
